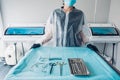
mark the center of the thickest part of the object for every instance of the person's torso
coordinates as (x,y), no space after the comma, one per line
(67,26)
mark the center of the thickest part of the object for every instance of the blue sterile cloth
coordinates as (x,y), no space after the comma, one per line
(35,65)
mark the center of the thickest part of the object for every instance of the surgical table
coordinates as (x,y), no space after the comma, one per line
(35,65)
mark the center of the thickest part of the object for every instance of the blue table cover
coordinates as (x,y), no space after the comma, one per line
(35,65)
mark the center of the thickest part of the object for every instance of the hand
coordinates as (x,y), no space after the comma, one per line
(92,47)
(35,46)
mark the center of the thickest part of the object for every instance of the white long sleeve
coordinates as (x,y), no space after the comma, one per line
(47,36)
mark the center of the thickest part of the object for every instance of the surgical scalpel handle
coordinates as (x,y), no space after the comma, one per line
(61,68)
(55,58)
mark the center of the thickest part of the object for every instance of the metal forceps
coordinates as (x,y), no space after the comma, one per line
(61,66)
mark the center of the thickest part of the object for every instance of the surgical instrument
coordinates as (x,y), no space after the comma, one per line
(61,66)
(55,58)
(78,67)
(52,64)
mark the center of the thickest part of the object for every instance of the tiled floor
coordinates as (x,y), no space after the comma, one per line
(4,70)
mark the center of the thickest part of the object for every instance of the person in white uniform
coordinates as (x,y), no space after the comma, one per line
(64,26)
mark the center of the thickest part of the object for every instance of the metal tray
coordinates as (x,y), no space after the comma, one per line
(77,66)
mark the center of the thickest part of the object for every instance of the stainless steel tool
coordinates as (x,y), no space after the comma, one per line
(52,64)
(61,66)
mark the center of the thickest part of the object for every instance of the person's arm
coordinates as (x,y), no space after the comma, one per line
(48,31)
(84,39)
(47,36)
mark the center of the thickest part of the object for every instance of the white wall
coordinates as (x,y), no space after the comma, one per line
(27,11)
(0,22)
(114,17)
(0,26)
(37,11)
(1,44)
(102,11)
